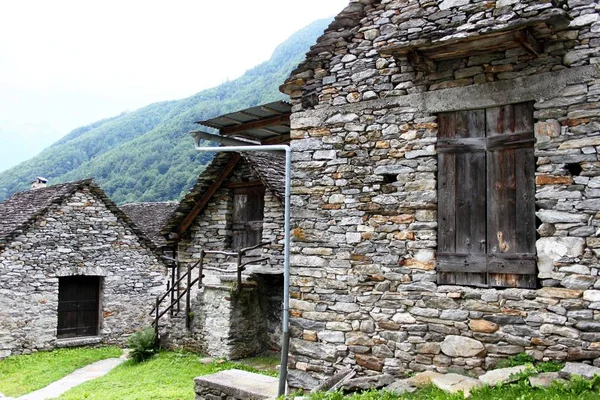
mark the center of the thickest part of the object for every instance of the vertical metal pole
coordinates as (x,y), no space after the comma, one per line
(187,297)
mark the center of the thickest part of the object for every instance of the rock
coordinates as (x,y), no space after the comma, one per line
(481,325)
(544,380)
(591,295)
(502,375)
(552,249)
(578,281)
(454,383)
(368,382)
(301,379)
(422,379)
(553,217)
(587,371)
(401,387)
(460,346)
(203,360)
(369,362)
(559,293)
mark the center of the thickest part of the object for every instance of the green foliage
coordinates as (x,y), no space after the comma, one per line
(516,360)
(143,345)
(147,155)
(24,374)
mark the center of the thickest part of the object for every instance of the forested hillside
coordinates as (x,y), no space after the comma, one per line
(147,155)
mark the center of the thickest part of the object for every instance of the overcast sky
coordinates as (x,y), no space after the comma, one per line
(64,64)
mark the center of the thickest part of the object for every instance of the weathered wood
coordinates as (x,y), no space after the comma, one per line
(239,185)
(189,219)
(248,209)
(529,42)
(263,123)
(486,203)
(420,62)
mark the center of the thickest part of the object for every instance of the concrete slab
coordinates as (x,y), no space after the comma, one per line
(240,384)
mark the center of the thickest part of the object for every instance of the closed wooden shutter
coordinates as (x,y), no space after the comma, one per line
(248,211)
(486,202)
(78,306)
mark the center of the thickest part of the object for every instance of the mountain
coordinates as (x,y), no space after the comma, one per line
(147,154)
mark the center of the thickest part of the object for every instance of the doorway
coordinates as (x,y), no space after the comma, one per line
(78,306)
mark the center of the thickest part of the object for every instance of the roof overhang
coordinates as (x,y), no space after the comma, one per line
(264,124)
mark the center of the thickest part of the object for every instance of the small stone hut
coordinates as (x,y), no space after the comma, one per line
(445,187)
(236,203)
(74,270)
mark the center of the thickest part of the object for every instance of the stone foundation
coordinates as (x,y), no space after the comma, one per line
(235,385)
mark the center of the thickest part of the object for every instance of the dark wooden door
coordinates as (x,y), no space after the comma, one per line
(248,212)
(486,203)
(78,306)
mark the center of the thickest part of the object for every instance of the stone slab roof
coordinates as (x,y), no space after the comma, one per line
(150,218)
(22,209)
(268,166)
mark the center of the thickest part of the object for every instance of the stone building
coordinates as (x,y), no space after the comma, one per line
(236,203)
(73,270)
(150,218)
(445,187)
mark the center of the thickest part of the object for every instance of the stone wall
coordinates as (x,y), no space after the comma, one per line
(80,236)
(364,252)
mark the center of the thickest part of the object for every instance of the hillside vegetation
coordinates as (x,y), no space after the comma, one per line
(147,154)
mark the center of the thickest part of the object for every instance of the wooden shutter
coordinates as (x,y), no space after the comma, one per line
(248,210)
(78,306)
(486,199)
(461,199)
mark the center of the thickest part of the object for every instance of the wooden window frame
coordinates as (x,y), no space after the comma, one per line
(487,232)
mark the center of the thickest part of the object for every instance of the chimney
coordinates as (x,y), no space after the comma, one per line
(39,183)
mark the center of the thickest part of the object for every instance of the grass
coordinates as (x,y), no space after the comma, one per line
(576,389)
(166,376)
(24,374)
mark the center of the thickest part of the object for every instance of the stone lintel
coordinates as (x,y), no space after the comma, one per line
(240,384)
(492,94)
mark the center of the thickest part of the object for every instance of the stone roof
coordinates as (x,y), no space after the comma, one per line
(150,218)
(268,166)
(19,211)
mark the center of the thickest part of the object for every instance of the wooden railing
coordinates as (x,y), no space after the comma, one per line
(176,293)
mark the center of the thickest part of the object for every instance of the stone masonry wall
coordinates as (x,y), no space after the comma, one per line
(364,266)
(81,236)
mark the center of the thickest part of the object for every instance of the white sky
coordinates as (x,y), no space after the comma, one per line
(68,63)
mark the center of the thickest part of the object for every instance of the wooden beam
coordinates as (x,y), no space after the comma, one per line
(238,185)
(420,62)
(278,120)
(281,139)
(528,42)
(187,222)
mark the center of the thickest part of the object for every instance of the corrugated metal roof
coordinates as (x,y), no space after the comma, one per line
(259,123)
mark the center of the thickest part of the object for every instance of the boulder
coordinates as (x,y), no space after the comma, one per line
(460,346)
(544,380)
(368,382)
(401,387)
(502,375)
(587,371)
(455,383)
(422,379)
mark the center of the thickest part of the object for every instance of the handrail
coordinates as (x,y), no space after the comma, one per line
(176,284)
(175,302)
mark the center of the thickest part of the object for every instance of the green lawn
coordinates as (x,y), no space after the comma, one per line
(168,375)
(24,374)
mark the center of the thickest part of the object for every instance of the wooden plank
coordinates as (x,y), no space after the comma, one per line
(528,42)
(189,219)
(522,266)
(238,185)
(525,201)
(263,123)
(472,263)
(446,188)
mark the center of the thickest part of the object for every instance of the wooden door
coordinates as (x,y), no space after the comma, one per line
(78,306)
(486,202)
(248,212)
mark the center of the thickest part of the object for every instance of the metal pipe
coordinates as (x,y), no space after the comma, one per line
(285,336)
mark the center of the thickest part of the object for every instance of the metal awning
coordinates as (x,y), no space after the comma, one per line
(264,122)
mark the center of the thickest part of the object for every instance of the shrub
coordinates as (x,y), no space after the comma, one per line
(143,345)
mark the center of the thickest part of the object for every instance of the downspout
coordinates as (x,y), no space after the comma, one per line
(243,147)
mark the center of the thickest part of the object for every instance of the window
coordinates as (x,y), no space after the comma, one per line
(78,306)
(248,209)
(486,197)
